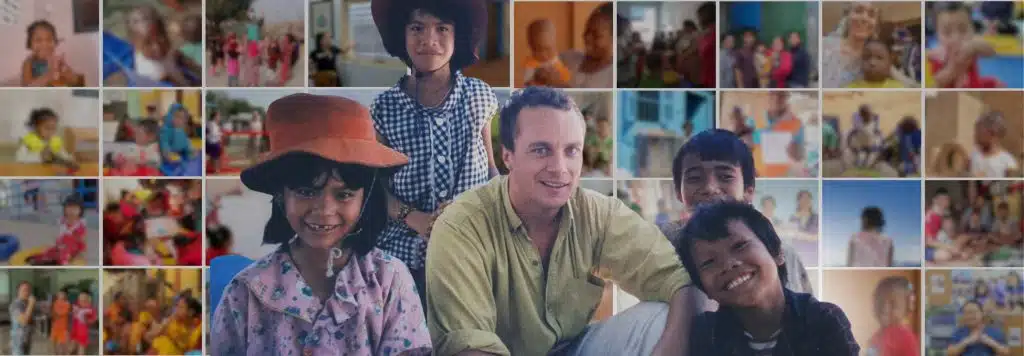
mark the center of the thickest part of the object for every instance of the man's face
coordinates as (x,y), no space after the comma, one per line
(544,168)
(711,181)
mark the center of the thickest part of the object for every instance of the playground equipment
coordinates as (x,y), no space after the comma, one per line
(119,57)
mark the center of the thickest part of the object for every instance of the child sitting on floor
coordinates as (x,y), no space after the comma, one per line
(733,254)
(71,241)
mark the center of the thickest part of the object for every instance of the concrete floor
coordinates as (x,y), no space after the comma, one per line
(41,343)
(42,230)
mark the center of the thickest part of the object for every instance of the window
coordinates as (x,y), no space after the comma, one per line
(363,32)
(647,106)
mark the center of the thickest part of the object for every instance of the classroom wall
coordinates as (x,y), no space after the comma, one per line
(853,291)
(76,112)
(81,49)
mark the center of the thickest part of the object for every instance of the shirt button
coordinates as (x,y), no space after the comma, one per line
(439,121)
(443,194)
(440,159)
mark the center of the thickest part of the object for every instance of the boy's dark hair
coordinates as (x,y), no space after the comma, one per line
(462,56)
(909,124)
(39,115)
(690,25)
(940,192)
(706,14)
(969,302)
(716,145)
(872,218)
(149,126)
(303,173)
(885,288)
(871,41)
(74,199)
(711,223)
(531,97)
(32,27)
(218,237)
(193,305)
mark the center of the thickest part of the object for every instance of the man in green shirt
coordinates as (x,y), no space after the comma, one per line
(518,266)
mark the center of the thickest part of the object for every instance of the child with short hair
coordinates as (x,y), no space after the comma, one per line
(44,67)
(990,159)
(71,241)
(214,144)
(142,159)
(178,334)
(84,315)
(954,63)
(868,247)
(42,144)
(733,254)
(865,137)
(893,301)
(60,323)
(910,146)
(543,54)
(876,64)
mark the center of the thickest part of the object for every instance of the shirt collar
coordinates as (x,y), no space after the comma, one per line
(446,108)
(276,283)
(515,222)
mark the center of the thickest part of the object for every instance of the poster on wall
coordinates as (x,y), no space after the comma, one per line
(938,284)
(321,17)
(1013,337)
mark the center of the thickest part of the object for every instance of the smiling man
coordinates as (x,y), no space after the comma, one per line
(517,266)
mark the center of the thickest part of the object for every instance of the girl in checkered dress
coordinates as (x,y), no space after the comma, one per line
(436,116)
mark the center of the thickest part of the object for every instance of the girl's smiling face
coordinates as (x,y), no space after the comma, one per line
(323,213)
(44,42)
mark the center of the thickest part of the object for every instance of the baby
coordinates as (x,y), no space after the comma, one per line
(44,67)
(876,63)
(954,63)
(142,159)
(41,144)
(541,37)
(990,159)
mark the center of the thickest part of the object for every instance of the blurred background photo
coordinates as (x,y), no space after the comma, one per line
(65,315)
(52,43)
(345,48)
(255,43)
(782,129)
(152,311)
(666,44)
(974,223)
(152,43)
(871,134)
(992,30)
(50,133)
(653,125)
(564,44)
(974,134)
(235,127)
(41,216)
(883,307)
(149,133)
(872,223)
(152,222)
(894,26)
(961,302)
(769,45)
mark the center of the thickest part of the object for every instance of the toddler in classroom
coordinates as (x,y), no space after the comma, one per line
(954,62)
(71,241)
(990,159)
(42,144)
(876,67)
(143,158)
(734,255)
(869,247)
(893,302)
(44,67)
(543,54)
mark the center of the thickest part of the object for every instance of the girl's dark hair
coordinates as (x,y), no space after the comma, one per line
(193,305)
(908,124)
(218,237)
(372,218)
(319,38)
(711,223)
(40,24)
(37,116)
(871,218)
(462,56)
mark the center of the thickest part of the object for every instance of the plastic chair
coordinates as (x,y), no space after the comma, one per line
(222,270)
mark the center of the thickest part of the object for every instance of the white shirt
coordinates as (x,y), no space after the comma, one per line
(994,166)
(213,132)
(599,79)
(149,68)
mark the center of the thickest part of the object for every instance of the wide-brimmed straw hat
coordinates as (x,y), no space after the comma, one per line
(330,127)
(474,12)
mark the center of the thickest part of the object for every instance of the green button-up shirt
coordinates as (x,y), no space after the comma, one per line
(487,288)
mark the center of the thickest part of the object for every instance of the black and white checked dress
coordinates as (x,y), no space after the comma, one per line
(446,153)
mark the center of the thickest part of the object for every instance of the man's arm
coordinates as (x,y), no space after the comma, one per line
(461,313)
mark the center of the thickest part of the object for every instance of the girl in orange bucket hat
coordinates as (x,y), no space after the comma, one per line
(327,175)
(436,116)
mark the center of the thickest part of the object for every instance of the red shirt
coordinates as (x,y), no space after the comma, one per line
(708,58)
(212,253)
(974,78)
(932,225)
(191,254)
(895,340)
(82,318)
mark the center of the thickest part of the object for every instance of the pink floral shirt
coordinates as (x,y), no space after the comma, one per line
(268,309)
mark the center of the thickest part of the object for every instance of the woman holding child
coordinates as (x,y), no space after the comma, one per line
(842,50)
(329,207)
(593,67)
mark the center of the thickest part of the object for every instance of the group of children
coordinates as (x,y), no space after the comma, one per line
(155,56)
(69,323)
(253,57)
(783,64)
(152,329)
(43,143)
(999,295)
(982,231)
(150,144)
(676,59)
(867,146)
(126,241)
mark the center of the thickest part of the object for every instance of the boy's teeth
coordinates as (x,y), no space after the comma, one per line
(736,282)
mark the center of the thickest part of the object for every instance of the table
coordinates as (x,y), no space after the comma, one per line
(46,170)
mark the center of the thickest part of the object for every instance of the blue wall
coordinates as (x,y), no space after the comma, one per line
(672,113)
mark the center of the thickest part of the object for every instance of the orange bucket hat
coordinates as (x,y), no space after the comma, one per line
(333,128)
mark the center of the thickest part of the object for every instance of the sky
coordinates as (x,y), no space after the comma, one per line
(259,97)
(900,202)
